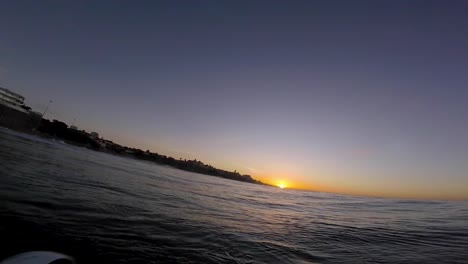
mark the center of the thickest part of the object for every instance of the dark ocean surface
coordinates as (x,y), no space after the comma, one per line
(101,208)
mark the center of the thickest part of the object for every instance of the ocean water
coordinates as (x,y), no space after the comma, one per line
(101,208)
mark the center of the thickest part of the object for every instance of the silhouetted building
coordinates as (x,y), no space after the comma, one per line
(15,114)
(13,100)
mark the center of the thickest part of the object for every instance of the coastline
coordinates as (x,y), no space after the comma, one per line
(58,130)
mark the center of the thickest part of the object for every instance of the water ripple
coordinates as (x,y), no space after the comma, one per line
(101,208)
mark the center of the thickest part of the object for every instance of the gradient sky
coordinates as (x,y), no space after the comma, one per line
(359,97)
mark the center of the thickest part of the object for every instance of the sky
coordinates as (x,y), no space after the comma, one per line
(355,97)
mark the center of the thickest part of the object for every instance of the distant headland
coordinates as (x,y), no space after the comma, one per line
(14,114)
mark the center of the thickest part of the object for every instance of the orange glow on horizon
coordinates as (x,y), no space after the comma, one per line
(305,186)
(296,178)
(283,183)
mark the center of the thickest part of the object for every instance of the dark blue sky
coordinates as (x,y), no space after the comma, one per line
(350,96)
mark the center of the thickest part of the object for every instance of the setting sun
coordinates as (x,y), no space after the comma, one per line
(282,186)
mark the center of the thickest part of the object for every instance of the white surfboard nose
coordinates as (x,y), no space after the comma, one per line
(39,257)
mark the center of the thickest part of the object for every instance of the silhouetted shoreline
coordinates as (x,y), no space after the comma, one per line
(81,138)
(14,114)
